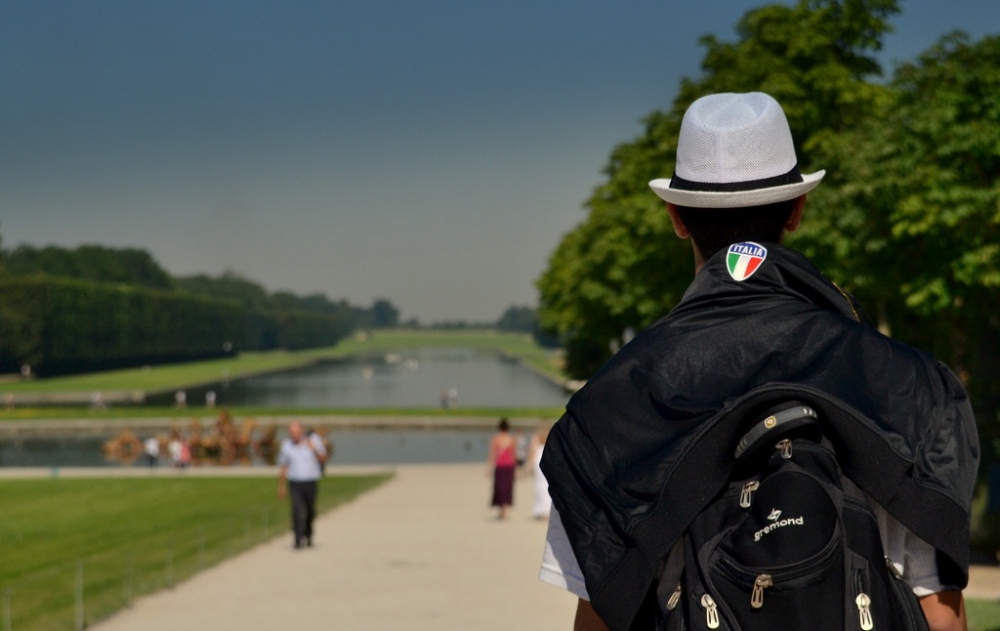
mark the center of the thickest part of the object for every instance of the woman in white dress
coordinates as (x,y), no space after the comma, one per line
(543,503)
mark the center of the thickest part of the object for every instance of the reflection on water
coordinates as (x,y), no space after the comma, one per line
(418,378)
(349,447)
(61,451)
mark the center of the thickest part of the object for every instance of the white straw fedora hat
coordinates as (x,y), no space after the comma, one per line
(735,150)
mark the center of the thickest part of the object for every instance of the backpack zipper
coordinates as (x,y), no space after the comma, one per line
(863,601)
(864,609)
(785,445)
(905,597)
(674,598)
(711,611)
(757,595)
(746,495)
(759,579)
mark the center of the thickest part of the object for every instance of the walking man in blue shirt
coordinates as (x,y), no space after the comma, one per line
(301,459)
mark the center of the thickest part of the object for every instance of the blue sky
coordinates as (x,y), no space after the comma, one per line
(430,152)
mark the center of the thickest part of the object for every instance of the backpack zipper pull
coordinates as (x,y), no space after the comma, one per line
(711,611)
(674,598)
(864,608)
(757,596)
(785,445)
(893,569)
(747,494)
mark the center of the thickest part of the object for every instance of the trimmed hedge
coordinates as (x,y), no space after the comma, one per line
(293,329)
(302,329)
(261,330)
(60,326)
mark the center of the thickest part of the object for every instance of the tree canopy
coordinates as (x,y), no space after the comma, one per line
(622,268)
(129,266)
(907,218)
(910,219)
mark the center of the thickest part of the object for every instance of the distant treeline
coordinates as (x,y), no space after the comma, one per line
(516,318)
(90,308)
(73,310)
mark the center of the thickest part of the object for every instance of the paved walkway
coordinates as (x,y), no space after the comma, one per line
(984,582)
(420,552)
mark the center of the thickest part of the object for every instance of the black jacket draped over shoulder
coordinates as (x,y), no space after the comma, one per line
(649,441)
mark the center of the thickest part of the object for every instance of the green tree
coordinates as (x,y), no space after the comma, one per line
(518,318)
(130,266)
(910,219)
(384,314)
(622,268)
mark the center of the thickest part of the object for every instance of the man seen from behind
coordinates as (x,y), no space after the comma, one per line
(626,464)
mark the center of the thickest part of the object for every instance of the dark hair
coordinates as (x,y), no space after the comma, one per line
(715,228)
(504,425)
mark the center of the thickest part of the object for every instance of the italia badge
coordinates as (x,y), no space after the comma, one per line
(743,259)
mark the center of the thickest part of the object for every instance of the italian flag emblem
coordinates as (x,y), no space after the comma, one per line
(743,259)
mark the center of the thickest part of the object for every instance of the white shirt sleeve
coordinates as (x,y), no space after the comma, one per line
(914,558)
(559,565)
(317,443)
(283,459)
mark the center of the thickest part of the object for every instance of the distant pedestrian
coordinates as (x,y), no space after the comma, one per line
(542,505)
(520,448)
(97,401)
(503,463)
(301,458)
(185,460)
(180,399)
(178,450)
(210,399)
(152,449)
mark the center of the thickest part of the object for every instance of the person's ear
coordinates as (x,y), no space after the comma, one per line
(795,219)
(675,218)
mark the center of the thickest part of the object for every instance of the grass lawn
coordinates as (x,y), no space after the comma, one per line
(169,377)
(130,536)
(984,615)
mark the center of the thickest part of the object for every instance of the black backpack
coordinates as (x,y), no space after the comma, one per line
(790,544)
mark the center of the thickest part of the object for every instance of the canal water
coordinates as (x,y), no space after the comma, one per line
(418,378)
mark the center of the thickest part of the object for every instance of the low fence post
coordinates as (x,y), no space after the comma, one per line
(201,548)
(170,566)
(79,596)
(129,573)
(6,609)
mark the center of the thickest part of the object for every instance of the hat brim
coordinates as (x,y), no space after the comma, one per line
(735,199)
